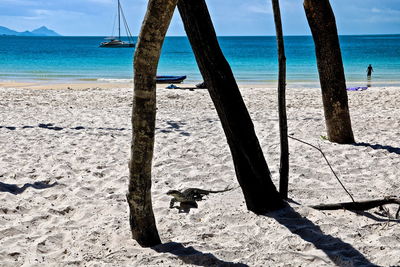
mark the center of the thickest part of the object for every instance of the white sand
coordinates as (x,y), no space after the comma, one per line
(76,213)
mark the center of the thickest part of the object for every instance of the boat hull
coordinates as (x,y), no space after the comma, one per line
(126,45)
(170,79)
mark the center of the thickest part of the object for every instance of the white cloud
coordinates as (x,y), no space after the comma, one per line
(18,2)
(42,12)
(261,9)
(386,11)
(376,10)
(102,1)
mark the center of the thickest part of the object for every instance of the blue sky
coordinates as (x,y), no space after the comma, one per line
(231,17)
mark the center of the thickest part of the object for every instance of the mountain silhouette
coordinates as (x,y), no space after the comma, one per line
(42,31)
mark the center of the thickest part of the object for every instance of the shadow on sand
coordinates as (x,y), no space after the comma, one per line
(390,149)
(51,126)
(172,126)
(340,252)
(192,256)
(16,190)
(382,219)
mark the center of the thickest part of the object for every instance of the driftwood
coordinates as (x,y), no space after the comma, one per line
(360,205)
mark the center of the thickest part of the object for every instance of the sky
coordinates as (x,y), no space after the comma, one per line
(230,17)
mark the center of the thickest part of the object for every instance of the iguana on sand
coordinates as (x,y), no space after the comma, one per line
(190,196)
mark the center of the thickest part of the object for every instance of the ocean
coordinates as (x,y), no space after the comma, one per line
(253,59)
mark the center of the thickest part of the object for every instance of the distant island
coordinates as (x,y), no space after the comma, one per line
(42,31)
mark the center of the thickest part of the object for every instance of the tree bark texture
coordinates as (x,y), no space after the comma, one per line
(283,129)
(330,67)
(251,168)
(147,54)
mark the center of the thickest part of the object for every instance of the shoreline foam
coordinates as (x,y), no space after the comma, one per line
(109,84)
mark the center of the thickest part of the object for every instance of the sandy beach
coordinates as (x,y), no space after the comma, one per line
(64,172)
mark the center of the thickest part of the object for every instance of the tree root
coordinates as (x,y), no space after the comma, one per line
(361,205)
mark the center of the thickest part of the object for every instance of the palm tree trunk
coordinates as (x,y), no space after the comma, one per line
(251,168)
(148,49)
(322,22)
(283,129)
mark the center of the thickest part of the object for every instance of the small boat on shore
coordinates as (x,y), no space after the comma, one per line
(170,79)
(117,42)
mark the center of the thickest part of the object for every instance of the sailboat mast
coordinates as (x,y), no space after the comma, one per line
(119,21)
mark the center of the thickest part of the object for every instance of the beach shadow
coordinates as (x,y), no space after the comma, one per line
(11,128)
(174,126)
(189,255)
(390,149)
(185,207)
(16,190)
(371,216)
(110,129)
(51,126)
(340,252)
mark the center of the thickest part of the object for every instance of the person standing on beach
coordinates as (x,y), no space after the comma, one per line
(369,70)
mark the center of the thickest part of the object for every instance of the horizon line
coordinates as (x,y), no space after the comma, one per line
(290,35)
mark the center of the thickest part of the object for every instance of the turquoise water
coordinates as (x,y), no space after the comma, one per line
(253,59)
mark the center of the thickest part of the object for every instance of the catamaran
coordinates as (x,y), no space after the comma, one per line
(117,42)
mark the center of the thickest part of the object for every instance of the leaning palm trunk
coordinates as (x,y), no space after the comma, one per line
(251,168)
(330,67)
(283,129)
(151,38)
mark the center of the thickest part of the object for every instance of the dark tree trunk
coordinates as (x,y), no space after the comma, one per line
(148,49)
(330,67)
(283,129)
(251,168)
